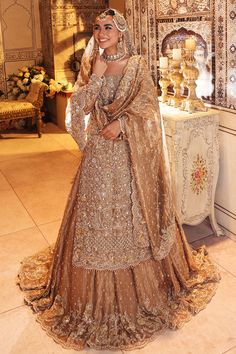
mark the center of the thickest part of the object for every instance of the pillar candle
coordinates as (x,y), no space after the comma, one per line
(177,54)
(163,62)
(190,43)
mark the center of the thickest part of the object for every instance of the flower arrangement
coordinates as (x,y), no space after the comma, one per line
(19,84)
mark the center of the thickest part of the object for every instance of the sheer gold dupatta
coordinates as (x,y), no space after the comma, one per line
(136,100)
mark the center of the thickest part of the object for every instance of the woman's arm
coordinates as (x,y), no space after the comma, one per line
(85,97)
(82,102)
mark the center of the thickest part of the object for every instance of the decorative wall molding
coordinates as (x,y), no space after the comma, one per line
(80,4)
(15,49)
(23,55)
(175,8)
(195,26)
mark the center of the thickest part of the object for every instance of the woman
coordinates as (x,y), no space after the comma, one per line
(121,269)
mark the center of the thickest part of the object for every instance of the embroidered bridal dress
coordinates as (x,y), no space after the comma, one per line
(121,270)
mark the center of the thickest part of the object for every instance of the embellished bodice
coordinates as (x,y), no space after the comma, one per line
(110,230)
(109,88)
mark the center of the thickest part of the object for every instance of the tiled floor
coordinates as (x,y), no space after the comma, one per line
(35,178)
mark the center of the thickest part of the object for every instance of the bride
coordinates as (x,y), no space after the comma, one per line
(121,270)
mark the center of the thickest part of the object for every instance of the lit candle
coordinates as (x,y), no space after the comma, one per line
(177,54)
(163,61)
(190,43)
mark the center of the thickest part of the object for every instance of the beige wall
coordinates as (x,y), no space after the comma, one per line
(226,187)
(20,40)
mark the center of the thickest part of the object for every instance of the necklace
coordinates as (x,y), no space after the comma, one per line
(113,57)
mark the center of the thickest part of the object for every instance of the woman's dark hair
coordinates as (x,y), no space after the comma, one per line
(109,12)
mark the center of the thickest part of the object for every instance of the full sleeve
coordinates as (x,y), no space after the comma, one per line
(81,103)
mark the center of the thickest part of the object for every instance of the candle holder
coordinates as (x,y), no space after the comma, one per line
(164,83)
(176,78)
(190,73)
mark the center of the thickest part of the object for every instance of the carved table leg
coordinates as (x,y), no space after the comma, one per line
(39,123)
(215,227)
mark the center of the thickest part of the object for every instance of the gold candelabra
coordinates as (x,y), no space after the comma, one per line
(176,78)
(179,68)
(190,73)
(164,83)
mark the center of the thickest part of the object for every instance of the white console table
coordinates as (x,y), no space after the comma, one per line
(193,147)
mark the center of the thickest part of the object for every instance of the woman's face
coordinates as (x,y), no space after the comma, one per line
(105,33)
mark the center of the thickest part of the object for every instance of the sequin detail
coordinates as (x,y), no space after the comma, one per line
(111,232)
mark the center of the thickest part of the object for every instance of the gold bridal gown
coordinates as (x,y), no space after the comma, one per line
(107,283)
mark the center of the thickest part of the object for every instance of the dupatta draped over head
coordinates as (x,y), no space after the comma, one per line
(136,102)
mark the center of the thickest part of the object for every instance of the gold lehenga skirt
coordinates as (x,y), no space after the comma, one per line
(116,308)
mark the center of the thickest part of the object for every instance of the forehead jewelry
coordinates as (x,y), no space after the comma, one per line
(102,16)
(120,22)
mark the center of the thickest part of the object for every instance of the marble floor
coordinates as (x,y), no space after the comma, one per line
(35,179)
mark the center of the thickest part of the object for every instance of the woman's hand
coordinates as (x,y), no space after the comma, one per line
(99,66)
(111,131)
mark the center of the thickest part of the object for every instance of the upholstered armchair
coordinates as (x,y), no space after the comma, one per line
(26,108)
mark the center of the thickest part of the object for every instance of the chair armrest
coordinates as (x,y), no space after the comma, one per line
(36,94)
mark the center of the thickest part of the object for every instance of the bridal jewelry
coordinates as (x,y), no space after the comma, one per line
(113,57)
(120,52)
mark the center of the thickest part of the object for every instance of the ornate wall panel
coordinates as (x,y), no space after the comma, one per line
(225,48)
(176,8)
(141,18)
(20,41)
(213,20)
(205,31)
(231,50)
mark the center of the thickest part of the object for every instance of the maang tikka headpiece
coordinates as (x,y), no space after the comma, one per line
(118,19)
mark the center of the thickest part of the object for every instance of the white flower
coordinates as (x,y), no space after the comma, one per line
(57,86)
(20,74)
(52,82)
(27,75)
(25,81)
(52,87)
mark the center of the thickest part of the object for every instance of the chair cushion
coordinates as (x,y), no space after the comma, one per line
(16,109)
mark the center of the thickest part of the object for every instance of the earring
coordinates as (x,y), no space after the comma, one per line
(120,46)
